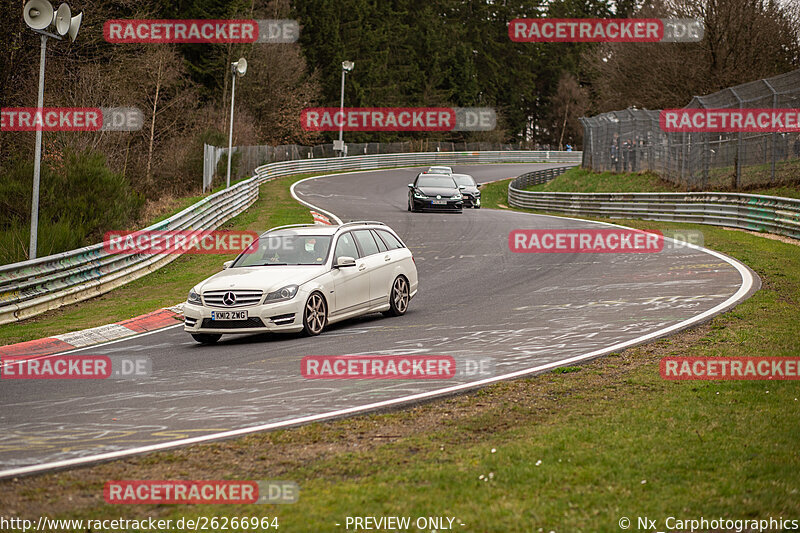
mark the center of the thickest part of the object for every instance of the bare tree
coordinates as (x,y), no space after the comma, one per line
(744,40)
(566,107)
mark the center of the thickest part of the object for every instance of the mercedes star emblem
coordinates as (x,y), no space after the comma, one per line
(229,298)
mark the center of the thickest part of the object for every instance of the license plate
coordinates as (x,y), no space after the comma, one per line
(438,202)
(228,315)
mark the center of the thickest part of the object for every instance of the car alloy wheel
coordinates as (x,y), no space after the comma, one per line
(315,314)
(398,299)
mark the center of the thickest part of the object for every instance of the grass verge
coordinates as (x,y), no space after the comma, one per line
(574,450)
(581,180)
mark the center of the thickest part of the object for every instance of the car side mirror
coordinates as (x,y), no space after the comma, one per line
(478,185)
(410,185)
(226,264)
(344,261)
(462,187)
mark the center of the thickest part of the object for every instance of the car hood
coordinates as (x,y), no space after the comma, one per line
(267,279)
(433,191)
(470,190)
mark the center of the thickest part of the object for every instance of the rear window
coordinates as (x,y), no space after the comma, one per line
(432,180)
(464,180)
(381,245)
(365,240)
(390,240)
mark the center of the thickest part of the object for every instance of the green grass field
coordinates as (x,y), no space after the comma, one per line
(581,180)
(574,450)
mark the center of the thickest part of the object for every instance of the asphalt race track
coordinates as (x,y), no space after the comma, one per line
(477,299)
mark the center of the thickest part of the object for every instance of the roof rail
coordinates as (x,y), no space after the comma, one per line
(289,226)
(362,223)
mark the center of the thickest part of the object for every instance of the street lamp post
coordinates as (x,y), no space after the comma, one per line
(347,66)
(38,15)
(238,70)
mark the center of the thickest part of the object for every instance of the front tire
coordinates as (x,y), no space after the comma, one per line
(315,315)
(206,338)
(399,297)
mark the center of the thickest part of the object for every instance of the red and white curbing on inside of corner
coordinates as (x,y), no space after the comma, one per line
(319,218)
(89,337)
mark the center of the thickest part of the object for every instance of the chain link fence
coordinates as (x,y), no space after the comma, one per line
(632,141)
(247,158)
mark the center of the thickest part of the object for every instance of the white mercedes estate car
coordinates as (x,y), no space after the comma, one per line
(303,277)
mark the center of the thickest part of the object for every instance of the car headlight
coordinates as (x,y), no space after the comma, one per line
(281,295)
(194,298)
(419,195)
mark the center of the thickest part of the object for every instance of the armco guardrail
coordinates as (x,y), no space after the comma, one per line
(771,214)
(366,162)
(32,287)
(539,177)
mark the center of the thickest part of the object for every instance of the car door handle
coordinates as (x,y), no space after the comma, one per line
(362,267)
(387,258)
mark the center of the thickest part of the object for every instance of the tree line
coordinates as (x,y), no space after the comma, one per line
(406,53)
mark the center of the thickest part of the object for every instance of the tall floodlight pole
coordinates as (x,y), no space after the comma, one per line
(347,66)
(37,159)
(38,15)
(238,70)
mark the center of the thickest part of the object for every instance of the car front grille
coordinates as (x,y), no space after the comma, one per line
(253,322)
(449,205)
(243,298)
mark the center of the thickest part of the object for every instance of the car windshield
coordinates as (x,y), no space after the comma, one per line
(464,180)
(436,181)
(276,249)
(440,170)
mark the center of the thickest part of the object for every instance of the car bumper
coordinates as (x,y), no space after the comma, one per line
(469,201)
(451,205)
(277,317)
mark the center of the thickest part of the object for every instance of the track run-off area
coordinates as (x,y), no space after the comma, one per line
(524,313)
